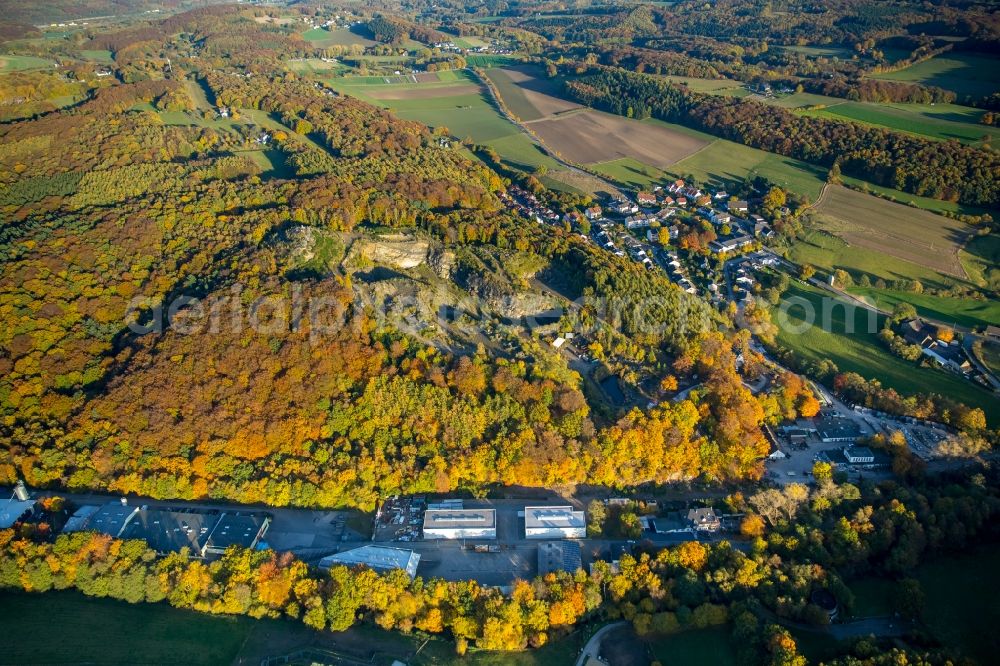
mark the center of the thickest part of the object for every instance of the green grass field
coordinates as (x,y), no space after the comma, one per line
(981,258)
(821,51)
(70,628)
(950,121)
(322,37)
(716,86)
(861,351)
(727,162)
(926,203)
(961,608)
(66,627)
(962,73)
(696,648)
(464,114)
(101,55)
(630,172)
(20,63)
(961,311)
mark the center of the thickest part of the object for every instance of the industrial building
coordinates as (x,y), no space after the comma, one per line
(838,429)
(237,529)
(168,529)
(460,524)
(559,556)
(12,510)
(554,522)
(109,519)
(379,558)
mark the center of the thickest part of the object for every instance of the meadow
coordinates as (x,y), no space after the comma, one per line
(323,38)
(959,610)
(944,121)
(106,631)
(20,63)
(725,162)
(455,100)
(965,74)
(959,311)
(862,352)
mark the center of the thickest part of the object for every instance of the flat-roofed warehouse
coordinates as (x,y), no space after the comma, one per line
(379,558)
(554,522)
(460,524)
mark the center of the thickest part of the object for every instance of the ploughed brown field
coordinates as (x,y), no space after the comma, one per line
(586,136)
(390,93)
(591,136)
(908,233)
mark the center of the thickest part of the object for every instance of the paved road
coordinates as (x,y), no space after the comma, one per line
(593,646)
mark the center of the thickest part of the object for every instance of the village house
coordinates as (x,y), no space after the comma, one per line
(738,206)
(704,520)
(593,213)
(730,244)
(646,198)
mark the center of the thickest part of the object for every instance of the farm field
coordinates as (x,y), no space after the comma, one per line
(925,203)
(715,86)
(630,172)
(322,37)
(20,63)
(450,99)
(963,73)
(586,136)
(827,252)
(98,55)
(948,122)
(315,66)
(862,352)
(893,229)
(960,311)
(727,162)
(527,96)
(589,136)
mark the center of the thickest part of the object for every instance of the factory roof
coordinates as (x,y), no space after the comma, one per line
(553,516)
(12,509)
(167,530)
(380,558)
(459,518)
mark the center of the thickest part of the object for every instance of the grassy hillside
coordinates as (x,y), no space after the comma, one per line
(861,351)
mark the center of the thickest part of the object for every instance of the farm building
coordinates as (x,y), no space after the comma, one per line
(379,558)
(554,522)
(460,524)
